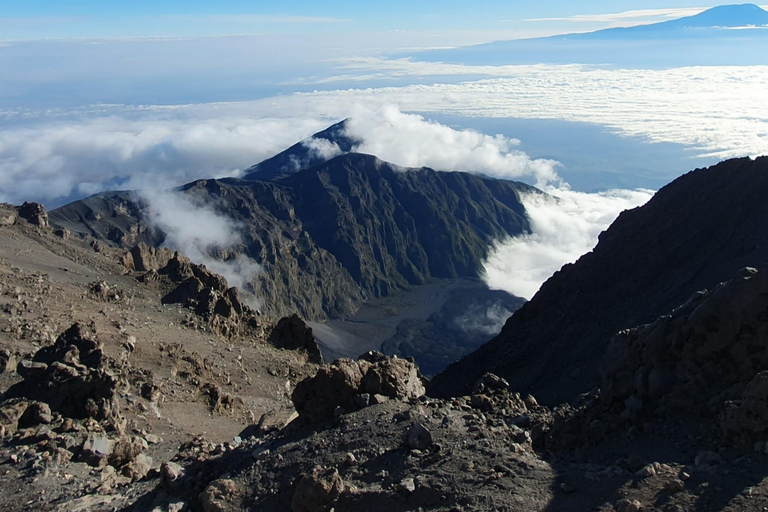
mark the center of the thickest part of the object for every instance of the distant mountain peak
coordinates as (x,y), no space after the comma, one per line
(313,150)
(736,15)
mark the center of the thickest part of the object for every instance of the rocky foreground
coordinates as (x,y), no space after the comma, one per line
(139,381)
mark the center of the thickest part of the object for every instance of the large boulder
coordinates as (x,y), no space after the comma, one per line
(316,398)
(72,377)
(346,384)
(144,258)
(291,333)
(316,491)
(34,213)
(394,378)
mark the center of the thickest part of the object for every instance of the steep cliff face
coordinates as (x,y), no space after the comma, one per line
(333,235)
(696,232)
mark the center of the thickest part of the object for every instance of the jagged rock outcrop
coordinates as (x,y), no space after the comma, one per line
(291,333)
(349,384)
(34,213)
(209,295)
(143,258)
(696,232)
(8,214)
(72,377)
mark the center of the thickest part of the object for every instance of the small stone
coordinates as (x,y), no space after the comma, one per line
(260,453)
(674,485)
(419,438)
(96,450)
(350,460)
(407,485)
(378,399)
(627,505)
(647,471)
(317,491)
(177,506)
(171,475)
(137,468)
(218,496)
(31,370)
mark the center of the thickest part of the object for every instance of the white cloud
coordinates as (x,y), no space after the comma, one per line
(717,111)
(160,148)
(322,148)
(196,230)
(627,18)
(409,140)
(564,227)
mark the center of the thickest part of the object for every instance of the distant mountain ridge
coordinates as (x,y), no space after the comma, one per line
(708,38)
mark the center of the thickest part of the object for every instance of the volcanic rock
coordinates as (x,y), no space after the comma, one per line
(291,333)
(71,376)
(34,213)
(8,214)
(343,382)
(316,492)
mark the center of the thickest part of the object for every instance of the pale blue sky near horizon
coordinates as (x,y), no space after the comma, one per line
(52,19)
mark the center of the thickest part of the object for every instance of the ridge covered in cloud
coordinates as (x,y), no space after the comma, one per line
(409,140)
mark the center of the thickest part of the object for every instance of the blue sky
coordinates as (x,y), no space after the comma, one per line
(41,19)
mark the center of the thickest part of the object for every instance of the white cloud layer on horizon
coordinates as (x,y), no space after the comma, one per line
(86,156)
(719,111)
(626,18)
(716,111)
(564,227)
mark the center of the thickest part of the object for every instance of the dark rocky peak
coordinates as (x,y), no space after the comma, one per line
(696,232)
(312,151)
(391,227)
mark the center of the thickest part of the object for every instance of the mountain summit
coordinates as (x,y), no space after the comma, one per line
(744,15)
(709,38)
